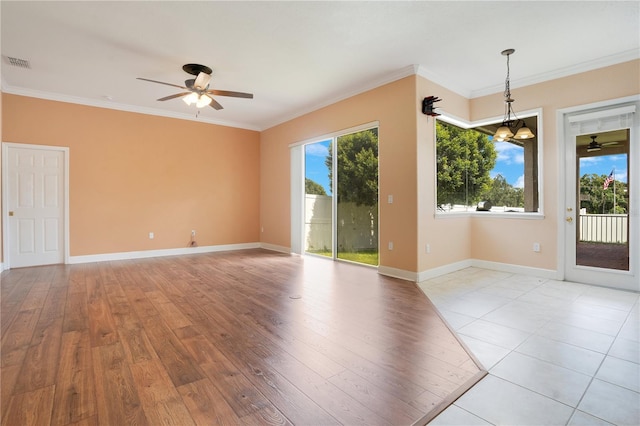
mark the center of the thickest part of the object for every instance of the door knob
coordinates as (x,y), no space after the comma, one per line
(569,209)
(10,213)
(569,219)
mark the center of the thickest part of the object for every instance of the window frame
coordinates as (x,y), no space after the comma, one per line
(464,124)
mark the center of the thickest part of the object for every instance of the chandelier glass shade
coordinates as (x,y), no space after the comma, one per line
(512,126)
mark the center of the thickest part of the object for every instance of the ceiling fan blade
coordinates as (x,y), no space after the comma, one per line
(215,105)
(177,95)
(232,94)
(161,82)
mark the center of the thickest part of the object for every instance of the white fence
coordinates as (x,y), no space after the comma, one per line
(357,227)
(604,228)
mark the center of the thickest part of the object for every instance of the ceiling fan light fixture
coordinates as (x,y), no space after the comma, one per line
(203,101)
(191,98)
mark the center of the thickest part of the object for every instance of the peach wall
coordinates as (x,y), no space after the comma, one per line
(1,254)
(393,106)
(413,222)
(510,241)
(131,174)
(448,238)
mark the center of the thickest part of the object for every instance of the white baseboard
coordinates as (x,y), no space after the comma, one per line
(485,264)
(159,253)
(515,269)
(443,270)
(398,273)
(467,263)
(383,270)
(274,247)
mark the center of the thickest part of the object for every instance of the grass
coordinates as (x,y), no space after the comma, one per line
(366,257)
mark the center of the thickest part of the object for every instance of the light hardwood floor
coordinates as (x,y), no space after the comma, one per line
(245,337)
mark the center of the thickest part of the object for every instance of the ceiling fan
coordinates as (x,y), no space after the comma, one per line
(595,146)
(198,91)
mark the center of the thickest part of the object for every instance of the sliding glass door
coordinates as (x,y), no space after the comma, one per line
(318,199)
(341,197)
(357,203)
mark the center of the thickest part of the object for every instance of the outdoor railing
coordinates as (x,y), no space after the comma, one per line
(604,228)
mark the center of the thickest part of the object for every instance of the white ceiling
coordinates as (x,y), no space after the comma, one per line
(298,56)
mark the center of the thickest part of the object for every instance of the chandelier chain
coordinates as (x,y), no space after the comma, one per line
(507,83)
(507,97)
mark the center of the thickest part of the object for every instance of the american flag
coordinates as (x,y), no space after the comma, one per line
(608,180)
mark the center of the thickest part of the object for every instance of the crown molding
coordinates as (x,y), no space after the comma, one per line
(365,87)
(409,70)
(21,91)
(443,81)
(618,58)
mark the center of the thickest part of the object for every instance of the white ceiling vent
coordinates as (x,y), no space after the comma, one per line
(17,62)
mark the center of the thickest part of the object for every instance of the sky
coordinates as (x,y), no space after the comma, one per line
(509,163)
(604,164)
(315,169)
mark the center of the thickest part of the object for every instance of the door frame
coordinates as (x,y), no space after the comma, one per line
(6,263)
(623,280)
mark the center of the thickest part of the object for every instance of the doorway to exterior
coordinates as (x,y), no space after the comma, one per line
(602,228)
(35,200)
(341,197)
(601,154)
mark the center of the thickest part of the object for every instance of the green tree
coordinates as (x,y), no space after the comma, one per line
(464,159)
(597,200)
(501,193)
(313,187)
(357,168)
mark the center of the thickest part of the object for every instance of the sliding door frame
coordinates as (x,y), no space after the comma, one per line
(297,167)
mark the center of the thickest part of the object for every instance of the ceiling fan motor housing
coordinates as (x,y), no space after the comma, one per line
(195,69)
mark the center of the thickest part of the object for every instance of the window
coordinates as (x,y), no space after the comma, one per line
(476,173)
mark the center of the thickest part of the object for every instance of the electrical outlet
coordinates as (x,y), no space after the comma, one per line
(427,248)
(390,199)
(151,235)
(390,245)
(536,247)
(193,232)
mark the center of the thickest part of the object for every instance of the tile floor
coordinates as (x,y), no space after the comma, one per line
(558,353)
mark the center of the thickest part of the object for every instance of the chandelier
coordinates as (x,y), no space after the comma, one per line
(510,125)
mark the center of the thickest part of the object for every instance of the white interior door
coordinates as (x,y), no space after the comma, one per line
(600,227)
(35,204)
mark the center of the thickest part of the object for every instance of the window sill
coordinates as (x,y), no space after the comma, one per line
(494,215)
